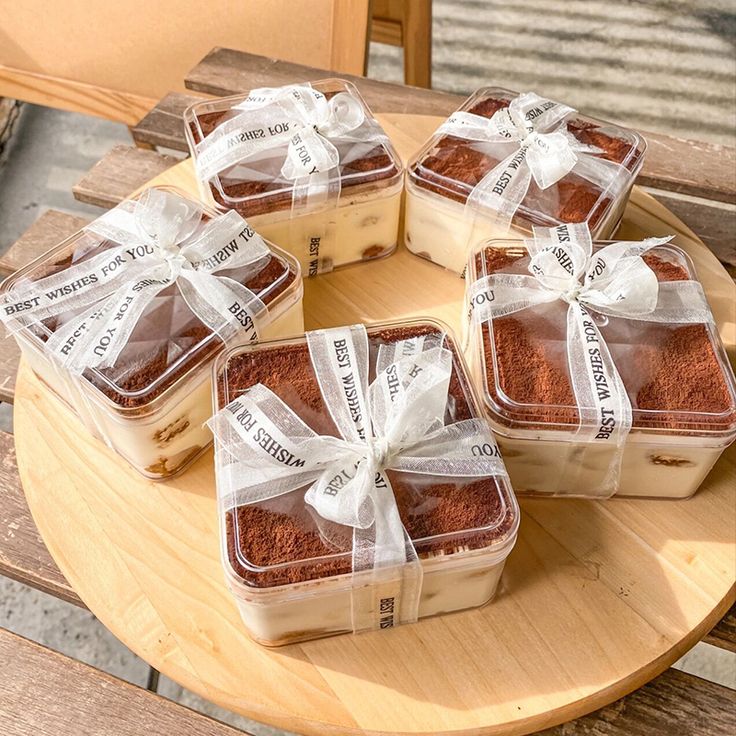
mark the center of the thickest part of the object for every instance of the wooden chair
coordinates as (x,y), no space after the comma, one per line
(406,23)
(109,59)
(41,691)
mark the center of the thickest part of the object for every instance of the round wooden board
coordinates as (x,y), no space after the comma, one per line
(597,597)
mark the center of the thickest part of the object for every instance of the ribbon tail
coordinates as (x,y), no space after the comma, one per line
(502,190)
(605,414)
(386,553)
(97,337)
(228,308)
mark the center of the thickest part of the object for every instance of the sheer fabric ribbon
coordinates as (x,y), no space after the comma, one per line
(163,242)
(542,149)
(265,450)
(614,281)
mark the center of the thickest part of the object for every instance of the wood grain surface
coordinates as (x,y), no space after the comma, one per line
(596,599)
(23,556)
(124,166)
(673,704)
(44,693)
(674,164)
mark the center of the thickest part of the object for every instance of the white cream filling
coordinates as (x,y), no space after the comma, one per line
(323,607)
(439,228)
(158,445)
(361,228)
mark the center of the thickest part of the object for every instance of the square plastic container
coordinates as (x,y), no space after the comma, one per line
(361,226)
(677,377)
(150,407)
(298,586)
(439,179)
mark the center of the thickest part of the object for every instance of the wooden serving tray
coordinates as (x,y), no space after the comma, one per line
(596,599)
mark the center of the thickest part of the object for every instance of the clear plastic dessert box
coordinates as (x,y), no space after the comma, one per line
(291,583)
(357,219)
(442,226)
(677,377)
(150,407)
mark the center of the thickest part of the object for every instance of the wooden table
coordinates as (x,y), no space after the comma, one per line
(672,703)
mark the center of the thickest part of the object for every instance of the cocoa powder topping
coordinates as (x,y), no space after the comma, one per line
(669,371)
(454,166)
(282,535)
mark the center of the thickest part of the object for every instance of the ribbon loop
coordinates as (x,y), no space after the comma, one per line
(544,151)
(163,242)
(397,422)
(614,281)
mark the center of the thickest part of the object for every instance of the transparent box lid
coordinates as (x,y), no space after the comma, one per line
(450,167)
(277,542)
(169,343)
(256,187)
(677,376)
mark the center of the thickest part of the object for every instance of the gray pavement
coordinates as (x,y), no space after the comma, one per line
(664,65)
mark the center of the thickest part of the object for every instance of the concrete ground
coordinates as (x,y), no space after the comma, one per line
(662,65)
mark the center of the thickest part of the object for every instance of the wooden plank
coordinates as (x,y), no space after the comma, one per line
(724,635)
(385,30)
(43,692)
(349,35)
(713,222)
(409,25)
(225,71)
(9,359)
(76,96)
(23,555)
(48,230)
(690,167)
(118,47)
(673,703)
(163,125)
(418,42)
(120,172)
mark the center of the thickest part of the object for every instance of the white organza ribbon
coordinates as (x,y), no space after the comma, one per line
(305,123)
(535,131)
(297,117)
(265,450)
(614,281)
(163,241)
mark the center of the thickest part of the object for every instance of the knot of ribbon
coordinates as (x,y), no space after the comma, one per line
(613,281)
(534,131)
(296,117)
(265,450)
(162,240)
(297,127)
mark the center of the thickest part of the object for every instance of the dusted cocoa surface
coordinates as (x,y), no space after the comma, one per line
(376,166)
(198,332)
(454,166)
(138,376)
(283,530)
(677,368)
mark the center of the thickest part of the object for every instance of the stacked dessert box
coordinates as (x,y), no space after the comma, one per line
(360,469)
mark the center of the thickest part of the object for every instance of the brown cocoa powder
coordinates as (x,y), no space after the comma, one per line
(282,531)
(676,368)
(375,167)
(454,166)
(134,377)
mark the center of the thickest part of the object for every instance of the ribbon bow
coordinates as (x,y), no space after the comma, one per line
(614,281)
(164,241)
(542,149)
(265,450)
(297,117)
(300,124)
